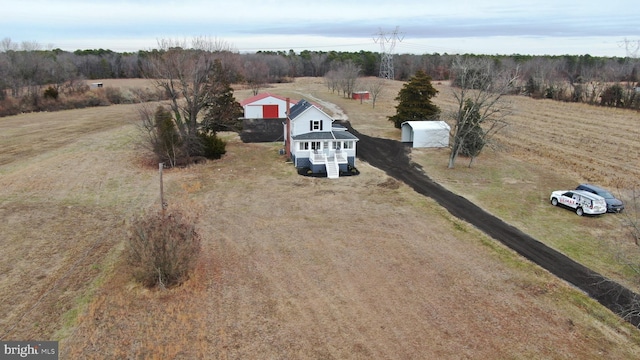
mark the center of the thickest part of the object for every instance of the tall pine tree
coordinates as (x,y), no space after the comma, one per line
(223,111)
(414,101)
(167,143)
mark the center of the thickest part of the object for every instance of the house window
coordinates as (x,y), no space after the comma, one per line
(304,146)
(316,125)
(336,145)
(315,145)
(325,145)
(348,145)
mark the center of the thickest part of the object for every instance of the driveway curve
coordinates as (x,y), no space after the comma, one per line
(391,156)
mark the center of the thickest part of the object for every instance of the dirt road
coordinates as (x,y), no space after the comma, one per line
(391,157)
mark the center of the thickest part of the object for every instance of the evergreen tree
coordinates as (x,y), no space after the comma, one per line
(612,96)
(414,101)
(223,111)
(481,111)
(532,88)
(168,143)
(471,136)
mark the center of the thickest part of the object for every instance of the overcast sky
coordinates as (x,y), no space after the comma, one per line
(534,27)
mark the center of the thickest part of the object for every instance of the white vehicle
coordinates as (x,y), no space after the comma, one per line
(583,202)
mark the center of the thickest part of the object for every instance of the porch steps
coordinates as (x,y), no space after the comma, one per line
(333,170)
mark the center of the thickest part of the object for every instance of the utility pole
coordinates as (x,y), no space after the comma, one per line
(163,206)
(387,44)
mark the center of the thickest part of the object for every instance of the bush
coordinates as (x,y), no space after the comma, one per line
(97,98)
(212,146)
(51,93)
(612,96)
(114,95)
(9,107)
(162,249)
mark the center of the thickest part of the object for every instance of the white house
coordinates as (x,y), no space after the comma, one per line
(315,143)
(426,133)
(265,106)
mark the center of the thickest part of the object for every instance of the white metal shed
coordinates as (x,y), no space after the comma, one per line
(426,133)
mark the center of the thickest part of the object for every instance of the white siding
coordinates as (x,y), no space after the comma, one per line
(301,124)
(426,133)
(254,110)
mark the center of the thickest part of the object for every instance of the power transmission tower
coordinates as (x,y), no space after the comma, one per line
(386,60)
(632,47)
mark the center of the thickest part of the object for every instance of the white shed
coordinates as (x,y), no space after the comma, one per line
(426,133)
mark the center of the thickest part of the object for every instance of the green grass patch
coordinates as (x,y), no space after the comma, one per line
(518,193)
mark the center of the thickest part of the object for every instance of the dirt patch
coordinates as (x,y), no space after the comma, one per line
(390,183)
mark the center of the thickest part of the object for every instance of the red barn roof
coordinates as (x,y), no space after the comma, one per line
(263,96)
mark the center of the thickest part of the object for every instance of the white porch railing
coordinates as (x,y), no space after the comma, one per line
(321,157)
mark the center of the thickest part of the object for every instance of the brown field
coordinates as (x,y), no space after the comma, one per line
(297,267)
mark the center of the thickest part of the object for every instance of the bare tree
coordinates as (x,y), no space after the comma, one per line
(183,69)
(348,74)
(317,61)
(6,45)
(331,79)
(481,109)
(256,72)
(375,86)
(278,67)
(61,71)
(26,72)
(630,240)
(159,134)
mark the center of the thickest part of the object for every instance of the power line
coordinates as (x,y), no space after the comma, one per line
(386,61)
(632,47)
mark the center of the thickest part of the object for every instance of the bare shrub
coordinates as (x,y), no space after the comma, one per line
(163,248)
(114,95)
(48,104)
(148,94)
(97,98)
(9,107)
(128,96)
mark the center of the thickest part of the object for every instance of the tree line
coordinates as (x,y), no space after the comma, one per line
(26,70)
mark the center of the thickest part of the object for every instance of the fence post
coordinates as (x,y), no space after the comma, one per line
(162,206)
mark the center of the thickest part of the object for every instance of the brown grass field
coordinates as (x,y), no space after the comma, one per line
(294,267)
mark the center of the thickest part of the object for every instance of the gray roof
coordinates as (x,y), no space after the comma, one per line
(344,135)
(338,131)
(326,135)
(299,108)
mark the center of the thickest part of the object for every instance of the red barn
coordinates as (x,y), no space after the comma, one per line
(360,95)
(265,106)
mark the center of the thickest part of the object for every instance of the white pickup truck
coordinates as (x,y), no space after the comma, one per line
(583,202)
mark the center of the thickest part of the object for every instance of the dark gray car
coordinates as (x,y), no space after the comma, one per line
(614,205)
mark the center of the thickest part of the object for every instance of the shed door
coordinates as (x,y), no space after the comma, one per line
(270,111)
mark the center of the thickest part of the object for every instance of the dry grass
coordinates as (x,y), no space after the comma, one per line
(524,164)
(292,267)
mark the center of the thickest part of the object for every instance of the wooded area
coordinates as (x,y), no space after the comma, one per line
(33,75)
